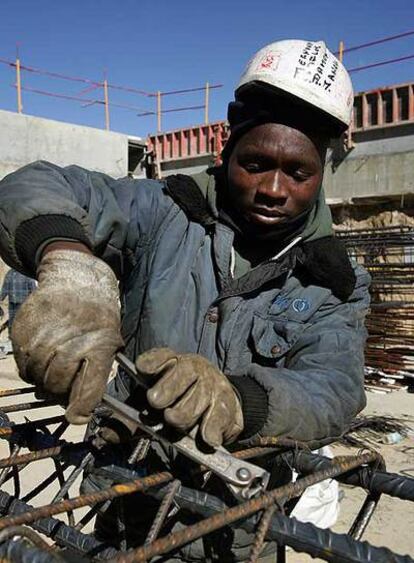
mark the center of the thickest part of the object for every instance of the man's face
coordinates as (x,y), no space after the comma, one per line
(274,174)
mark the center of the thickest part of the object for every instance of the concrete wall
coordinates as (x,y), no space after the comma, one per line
(24,139)
(380,165)
(371,176)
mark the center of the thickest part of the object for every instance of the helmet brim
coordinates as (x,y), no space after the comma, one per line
(258,95)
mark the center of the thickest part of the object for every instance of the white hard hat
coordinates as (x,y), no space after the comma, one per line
(306,70)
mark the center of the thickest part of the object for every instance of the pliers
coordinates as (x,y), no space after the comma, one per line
(244,479)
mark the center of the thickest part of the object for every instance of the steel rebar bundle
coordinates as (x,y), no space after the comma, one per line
(388,254)
(263,516)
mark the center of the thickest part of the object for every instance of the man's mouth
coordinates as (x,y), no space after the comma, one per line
(265,215)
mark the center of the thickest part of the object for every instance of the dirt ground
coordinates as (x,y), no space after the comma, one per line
(392,525)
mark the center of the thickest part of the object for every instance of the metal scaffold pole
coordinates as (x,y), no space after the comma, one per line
(18,82)
(206,103)
(106,101)
(159,111)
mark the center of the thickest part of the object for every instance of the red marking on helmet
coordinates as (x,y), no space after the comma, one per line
(267,61)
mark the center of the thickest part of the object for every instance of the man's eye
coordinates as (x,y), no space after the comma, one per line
(300,175)
(252,166)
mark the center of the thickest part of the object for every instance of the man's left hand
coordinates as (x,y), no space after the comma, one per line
(192,390)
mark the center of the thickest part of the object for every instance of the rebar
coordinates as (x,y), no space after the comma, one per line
(388,254)
(371,478)
(163,511)
(16,480)
(140,451)
(31,405)
(365,471)
(233,514)
(280,442)
(261,534)
(72,477)
(302,537)
(19,391)
(364,516)
(88,517)
(15,460)
(139,485)
(61,478)
(57,530)
(24,532)
(14,450)
(8,432)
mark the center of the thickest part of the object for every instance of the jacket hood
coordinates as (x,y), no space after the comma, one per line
(319,222)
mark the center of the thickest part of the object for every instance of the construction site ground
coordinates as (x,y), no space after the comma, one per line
(392,524)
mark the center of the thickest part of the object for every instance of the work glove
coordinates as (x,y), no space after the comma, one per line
(66,333)
(192,390)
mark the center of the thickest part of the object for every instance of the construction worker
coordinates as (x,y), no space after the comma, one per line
(16,287)
(238,303)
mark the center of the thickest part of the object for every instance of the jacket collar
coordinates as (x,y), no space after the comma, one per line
(320,258)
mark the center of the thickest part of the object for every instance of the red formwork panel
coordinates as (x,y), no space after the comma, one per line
(387,106)
(189,142)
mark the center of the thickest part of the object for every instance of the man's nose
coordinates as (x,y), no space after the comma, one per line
(274,186)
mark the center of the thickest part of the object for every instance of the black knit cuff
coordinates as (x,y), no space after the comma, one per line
(31,234)
(254,402)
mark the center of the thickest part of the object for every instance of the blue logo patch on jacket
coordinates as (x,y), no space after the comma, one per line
(300,305)
(281,301)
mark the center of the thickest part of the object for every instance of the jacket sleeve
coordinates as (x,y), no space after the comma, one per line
(43,202)
(320,389)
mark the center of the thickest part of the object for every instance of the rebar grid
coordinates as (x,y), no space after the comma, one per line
(244,510)
(388,254)
(258,515)
(138,485)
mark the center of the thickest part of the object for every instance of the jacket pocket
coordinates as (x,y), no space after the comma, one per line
(273,337)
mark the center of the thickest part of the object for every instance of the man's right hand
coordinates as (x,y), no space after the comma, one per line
(66,333)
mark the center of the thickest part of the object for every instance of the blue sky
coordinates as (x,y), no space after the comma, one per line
(167,45)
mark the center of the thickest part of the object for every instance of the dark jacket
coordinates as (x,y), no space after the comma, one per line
(290,333)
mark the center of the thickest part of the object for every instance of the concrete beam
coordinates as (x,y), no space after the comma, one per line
(24,139)
(370,176)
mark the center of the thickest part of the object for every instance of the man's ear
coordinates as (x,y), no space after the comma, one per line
(322,145)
